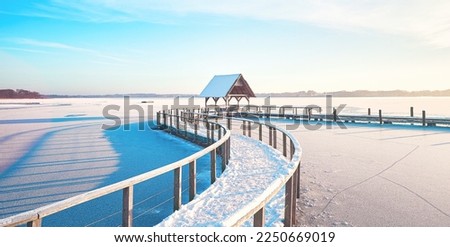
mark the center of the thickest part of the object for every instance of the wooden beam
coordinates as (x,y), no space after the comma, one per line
(213,165)
(259,218)
(177,189)
(192,179)
(127,207)
(288,203)
(35,223)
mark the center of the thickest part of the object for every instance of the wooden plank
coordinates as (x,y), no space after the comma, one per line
(192,179)
(177,189)
(259,218)
(127,207)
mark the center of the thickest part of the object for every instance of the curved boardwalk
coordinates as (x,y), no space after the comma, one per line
(254,167)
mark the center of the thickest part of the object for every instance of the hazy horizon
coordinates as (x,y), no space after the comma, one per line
(109,47)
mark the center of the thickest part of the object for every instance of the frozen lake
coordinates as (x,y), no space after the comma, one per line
(56,150)
(365,175)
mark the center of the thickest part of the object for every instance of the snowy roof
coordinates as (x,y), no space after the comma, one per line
(225,85)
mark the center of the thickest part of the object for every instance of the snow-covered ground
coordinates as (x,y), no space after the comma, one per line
(371,175)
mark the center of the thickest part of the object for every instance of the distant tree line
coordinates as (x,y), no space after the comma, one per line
(18,94)
(361,93)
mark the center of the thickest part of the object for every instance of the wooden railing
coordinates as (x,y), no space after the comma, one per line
(279,139)
(288,145)
(214,134)
(219,145)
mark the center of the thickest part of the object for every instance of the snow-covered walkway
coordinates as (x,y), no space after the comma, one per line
(254,167)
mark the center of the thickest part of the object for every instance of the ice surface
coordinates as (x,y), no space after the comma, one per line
(365,175)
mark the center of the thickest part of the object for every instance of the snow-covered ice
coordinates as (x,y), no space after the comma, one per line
(371,175)
(56,150)
(365,175)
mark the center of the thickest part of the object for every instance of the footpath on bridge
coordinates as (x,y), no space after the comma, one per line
(253,170)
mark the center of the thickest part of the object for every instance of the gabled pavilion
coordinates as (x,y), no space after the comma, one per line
(227,87)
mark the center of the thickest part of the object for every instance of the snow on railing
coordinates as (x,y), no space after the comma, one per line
(278,139)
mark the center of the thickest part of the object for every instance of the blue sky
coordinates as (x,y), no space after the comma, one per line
(174,46)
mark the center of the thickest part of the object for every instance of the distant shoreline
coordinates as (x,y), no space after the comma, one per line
(303,94)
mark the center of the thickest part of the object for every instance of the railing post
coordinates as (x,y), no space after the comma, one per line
(229,123)
(127,207)
(165,118)
(213,165)
(192,179)
(219,136)
(292,148)
(368,111)
(295,194)
(243,127)
(260,132)
(270,136)
(299,176)
(380,116)
(185,125)
(284,145)
(259,218)
(208,137)
(195,130)
(424,123)
(274,138)
(224,156)
(334,115)
(177,189)
(411,111)
(158,118)
(228,150)
(249,129)
(35,223)
(213,127)
(288,202)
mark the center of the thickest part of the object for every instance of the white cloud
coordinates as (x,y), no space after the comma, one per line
(427,21)
(61,46)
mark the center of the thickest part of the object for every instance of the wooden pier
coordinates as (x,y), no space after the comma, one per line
(314,113)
